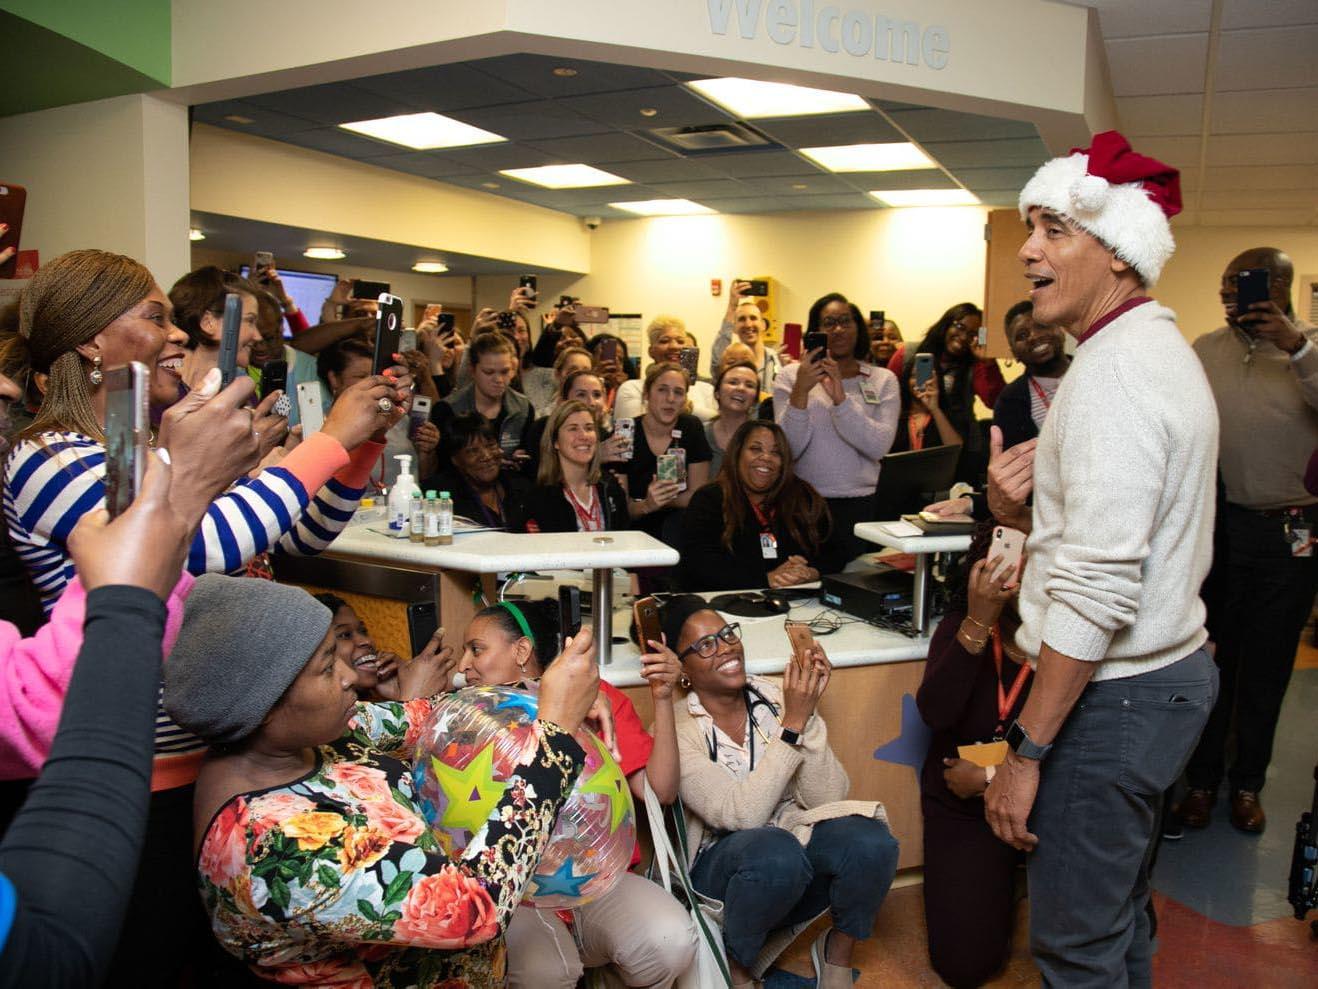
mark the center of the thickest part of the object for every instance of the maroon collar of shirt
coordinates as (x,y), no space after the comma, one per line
(1108,317)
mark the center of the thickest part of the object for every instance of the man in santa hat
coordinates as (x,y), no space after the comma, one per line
(1124,477)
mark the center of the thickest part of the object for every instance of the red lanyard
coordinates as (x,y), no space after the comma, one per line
(916,430)
(766,521)
(590,520)
(1006,701)
(1043,395)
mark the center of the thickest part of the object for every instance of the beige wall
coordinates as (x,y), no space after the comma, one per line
(1190,281)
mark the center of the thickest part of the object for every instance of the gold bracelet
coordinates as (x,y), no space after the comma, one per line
(966,637)
(986,628)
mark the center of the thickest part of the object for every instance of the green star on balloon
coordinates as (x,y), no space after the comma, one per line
(472,792)
(608,780)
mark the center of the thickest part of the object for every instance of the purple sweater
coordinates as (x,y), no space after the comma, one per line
(838,447)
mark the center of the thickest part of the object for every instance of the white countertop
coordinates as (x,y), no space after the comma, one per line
(498,552)
(767,649)
(873,532)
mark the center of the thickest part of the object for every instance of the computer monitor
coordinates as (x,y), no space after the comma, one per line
(309,289)
(908,481)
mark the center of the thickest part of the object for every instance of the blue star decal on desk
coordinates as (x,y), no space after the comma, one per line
(561,882)
(520,701)
(910,747)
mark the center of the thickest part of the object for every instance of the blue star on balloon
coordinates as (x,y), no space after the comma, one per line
(525,702)
(912,744)
(561,882)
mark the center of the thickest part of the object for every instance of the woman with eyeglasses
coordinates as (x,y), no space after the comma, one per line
(839,413)
(770,830)
(481,488)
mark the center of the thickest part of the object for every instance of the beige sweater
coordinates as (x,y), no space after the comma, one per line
(791,787)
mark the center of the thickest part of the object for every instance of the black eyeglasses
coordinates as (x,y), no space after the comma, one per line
(834,322)
(707,645)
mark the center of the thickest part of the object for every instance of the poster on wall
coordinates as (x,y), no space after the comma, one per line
(628,327)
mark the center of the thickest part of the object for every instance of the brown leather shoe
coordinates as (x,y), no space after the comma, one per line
(1196,810)
(1247,813)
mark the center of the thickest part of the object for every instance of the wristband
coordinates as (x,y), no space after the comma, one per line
(790,737)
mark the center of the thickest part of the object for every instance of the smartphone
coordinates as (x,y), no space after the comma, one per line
(983,335)
(758,286)
(274,377)
(446,323)
(816,341)
(309,409)
(877,318)
(422,624)
(648,626)
(13,201)
(569,614)
(802,640)
(388,331)
(406,341)
(924,369)
(608,351)
(362,289)
(689,358)
(419,414)
(127,426)
(591,314)
(565,300)
(233,321)
(506,320)
(1008,544)
(626,428)
(792,340)
(529,281)
(261,262)
(666,468)
(1252,285)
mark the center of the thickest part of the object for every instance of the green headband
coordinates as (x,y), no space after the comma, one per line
(516,612)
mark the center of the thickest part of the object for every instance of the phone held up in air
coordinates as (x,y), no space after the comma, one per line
(689,358)
(648,627)
(802,640)
(311,413)
(755,286)
(262,262)
(1008,544)
(569,614)
(608,351)
(233,321)
(419,413)
(127,426)
(274,377)
(447,323)
(422,624)
(792,340)
(816,341)
(388,332)
(1252,285)
(924,369)
(529,281)
(362,289)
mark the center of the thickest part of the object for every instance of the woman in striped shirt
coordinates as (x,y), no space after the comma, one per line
(91,310)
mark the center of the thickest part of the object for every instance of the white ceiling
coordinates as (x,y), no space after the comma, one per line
(1227,91)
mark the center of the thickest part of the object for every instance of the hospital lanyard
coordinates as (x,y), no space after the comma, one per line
(766,521)
(1043,395)
(1006,701)
(591,519)
(753,727)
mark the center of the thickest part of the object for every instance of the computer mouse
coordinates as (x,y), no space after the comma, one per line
(778,602)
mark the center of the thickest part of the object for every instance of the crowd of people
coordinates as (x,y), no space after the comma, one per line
(245,811)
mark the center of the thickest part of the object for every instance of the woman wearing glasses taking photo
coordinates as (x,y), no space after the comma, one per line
(768,824)
(839,413)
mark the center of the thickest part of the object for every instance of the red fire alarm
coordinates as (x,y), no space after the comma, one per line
(716,286)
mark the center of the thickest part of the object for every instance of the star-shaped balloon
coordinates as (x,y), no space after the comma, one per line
(472,792)
(608,780)
(561,882)
(520,701)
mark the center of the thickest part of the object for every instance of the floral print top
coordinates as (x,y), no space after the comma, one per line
(335,879)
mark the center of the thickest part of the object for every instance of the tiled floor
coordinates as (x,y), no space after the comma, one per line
(1221,902)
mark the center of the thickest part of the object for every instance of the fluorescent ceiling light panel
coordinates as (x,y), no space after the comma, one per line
(324,254)
(926,197)
(749,99)
(423,131)
(565,176)
(664,207)
(195,234)
(898,157)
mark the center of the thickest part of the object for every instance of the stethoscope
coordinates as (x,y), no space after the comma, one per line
(753,699)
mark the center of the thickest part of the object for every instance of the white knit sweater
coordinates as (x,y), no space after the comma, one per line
(1124,499)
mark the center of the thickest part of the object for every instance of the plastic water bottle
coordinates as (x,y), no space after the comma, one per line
(445,519)
(417,519)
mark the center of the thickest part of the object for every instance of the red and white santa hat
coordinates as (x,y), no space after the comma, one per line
(1122,198)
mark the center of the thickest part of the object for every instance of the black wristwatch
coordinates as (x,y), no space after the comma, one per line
(790,737)
(1019,741)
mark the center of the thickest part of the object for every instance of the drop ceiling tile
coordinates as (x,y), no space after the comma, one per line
(739,164)
(598,149)
(865,127)
(564,198)
(335,141)
(1272,58)
(1304,199)
(535,73)
(444,87)
(333,103)
(1161,116)
(1156,66)
(1252,13)
(534,121)
(783,185)
(923,178)
(1000,198)
(1176,151)
(1277,110)
(1241,177)
(948,125)
(1127,18)
(677,107)
(1264,149)
(994,178)
(1250,218)
(988,154)
(264,123)
(895,105)
(492,157)
(779,204)
(428,164)
(699,190)
(670,169)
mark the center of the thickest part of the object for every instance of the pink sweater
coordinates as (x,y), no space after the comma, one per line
(34,676)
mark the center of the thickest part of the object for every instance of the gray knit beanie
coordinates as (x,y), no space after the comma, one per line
(243,642)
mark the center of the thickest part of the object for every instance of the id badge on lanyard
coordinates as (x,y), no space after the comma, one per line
(768,546)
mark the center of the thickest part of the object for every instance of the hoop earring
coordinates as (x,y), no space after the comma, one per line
(96,376)
(684,681)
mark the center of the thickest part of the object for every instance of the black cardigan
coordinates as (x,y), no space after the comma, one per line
(1011,413)
(545,508)
(707,566)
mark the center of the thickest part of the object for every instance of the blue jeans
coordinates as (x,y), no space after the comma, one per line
(766,880)
(1099,801)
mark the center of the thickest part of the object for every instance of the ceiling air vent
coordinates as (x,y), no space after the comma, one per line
(714,137)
